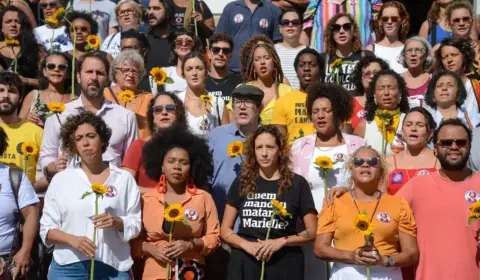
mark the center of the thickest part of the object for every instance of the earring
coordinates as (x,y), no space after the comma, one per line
(191,188)
(162,184)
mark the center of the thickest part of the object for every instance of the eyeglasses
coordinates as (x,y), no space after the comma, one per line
(184,42)
(53,66)
(286,22)
(159,108)
(83,29)
(448,143)
(246,102)
(415,50)
(392,18)
(337,27)
(368,74)
(126,12)
(126,71)
(50,5)
(371,162)
(459,20)
(226,51)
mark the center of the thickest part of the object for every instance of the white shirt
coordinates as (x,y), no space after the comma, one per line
(179,83)
(470,105)
(287,59)
(392,55)
(66,211)
(111,44)
(474,120)
(61,42)
(122,122)
(373,136)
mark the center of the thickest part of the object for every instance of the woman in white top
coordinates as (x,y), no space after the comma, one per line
(129,16)
(49,35)
(69,217)
(391,29)
(387,95)
(202,116)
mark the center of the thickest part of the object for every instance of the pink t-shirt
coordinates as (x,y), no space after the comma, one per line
(447,243)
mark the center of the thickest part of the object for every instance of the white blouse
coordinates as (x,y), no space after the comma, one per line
(66,211)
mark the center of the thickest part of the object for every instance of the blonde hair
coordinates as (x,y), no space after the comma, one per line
(382,182)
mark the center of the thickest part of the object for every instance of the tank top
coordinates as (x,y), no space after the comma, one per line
(436,33)
(398,177)
(417,95)
(391,55)
(358,113)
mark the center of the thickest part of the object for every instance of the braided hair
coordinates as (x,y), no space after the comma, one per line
(251,75)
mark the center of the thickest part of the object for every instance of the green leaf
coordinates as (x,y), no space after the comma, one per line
(472,219)
(86,194)
(169,80)
(364,212)
(166,205)
(87,47)
(185,222)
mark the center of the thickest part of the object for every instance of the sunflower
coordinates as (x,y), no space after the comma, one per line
(29,149)
(363,225)
(475,209)
(173,213)
(126,96)
(52,20)
(336,62)
(93,41)
(11,42)
(324,162)
(56,107)
(235,148)
(99,189)
(59,12)
(206,98)
(159,75)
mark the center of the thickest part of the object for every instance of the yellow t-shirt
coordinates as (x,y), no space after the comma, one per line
(267,113)
(392,216)
(290,110)
(17,134)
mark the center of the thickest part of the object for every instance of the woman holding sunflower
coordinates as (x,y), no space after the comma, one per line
(69,216)
(52,34)
(352,219)
(178,207)
(266,181)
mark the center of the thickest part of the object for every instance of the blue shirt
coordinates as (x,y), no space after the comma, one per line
(225,168)
(239,22)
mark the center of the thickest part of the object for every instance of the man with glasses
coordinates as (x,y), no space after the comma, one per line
(48,34)
(441,203)
(221,81)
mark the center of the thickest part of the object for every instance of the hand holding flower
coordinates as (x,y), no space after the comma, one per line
(107,221)
(83,244)
(176,248)
(158,252)
(251,247)
(362,257)
(269,247)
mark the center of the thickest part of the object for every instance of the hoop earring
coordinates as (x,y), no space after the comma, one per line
(162,184)
(191,188)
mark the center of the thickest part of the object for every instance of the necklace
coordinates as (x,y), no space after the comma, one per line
(220,83)
(379,197)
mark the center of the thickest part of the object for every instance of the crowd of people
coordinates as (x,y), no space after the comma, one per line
(289,139)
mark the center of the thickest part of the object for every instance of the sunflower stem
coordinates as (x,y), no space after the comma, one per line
(266,238)
(92,266)
(384,140)
(324,175)
(51,42)
(58,118)
(73,59)
(14,61)
(170,235)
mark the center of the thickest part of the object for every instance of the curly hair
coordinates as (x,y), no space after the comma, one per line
(246,50)
(458,5)
(3,141)
(371,104)
(319,59)
(181,116)
(250,168)
(465,48)
(67,132)
(404,16)
(341,100)
(12,79)
(429,121)
(73,15)
(430,94)
(251,74)
(429,55)
(330,45)
(168,23)
(197,44)
(383,165)
(155,150)
(221,37)
(362,64)
(43,81)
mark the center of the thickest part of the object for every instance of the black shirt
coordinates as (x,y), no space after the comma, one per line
(255,210)
(200,7)
(223,87)
(158,53)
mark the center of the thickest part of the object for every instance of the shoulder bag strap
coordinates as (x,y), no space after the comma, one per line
(218,113)
(113,95)
(15,176)
(467,118)
(433,26)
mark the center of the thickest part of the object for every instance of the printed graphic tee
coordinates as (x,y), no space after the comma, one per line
(61,42)
(223,88)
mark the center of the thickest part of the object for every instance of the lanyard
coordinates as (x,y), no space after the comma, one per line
(376,206)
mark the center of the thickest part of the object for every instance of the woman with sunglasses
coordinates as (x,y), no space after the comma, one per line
(393,243)
(291,29)
(391,30)
(50,35)
(343,50)
(55,85)
(266,176)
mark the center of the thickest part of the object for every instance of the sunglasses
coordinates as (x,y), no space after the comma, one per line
(448,143)
(371,162)
(53,66)
(184,42)
(286,22)
(83,29)
(464,19)
(337,27)
(226,51)
(159,108)
(392,18)
(50,5)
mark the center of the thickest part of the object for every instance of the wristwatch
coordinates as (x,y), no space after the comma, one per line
(390,261)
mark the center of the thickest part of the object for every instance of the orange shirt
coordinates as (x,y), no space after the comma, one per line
(203,222)
(139,106)
(393,215)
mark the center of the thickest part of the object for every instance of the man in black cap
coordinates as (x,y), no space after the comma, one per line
(246,103)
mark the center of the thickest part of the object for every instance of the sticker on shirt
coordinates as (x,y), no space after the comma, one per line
(238,18)
(339,157)
(472,196)
(361,114)
(397,178)
(191,214)
(384,217)
(423,173)
(263,23)
(111,191)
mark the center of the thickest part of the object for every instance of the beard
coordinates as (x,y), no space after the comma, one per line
(453,165)
(12,108)
(88,92)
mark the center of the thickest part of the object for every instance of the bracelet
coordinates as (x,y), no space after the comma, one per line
(228,236)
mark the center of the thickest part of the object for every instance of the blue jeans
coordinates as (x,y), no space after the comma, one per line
(81,271)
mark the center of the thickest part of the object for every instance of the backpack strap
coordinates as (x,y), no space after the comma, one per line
(218,113)
(433,32)
(15,176)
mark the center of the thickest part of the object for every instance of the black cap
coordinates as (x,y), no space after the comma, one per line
(249,91)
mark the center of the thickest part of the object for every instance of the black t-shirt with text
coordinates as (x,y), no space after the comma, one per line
(255,210)
(223,87)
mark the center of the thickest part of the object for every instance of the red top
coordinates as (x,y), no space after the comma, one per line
(358,113)
(133,160)
(398,177)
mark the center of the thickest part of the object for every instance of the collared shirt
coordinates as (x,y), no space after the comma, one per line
(225,168)
(122,122)
(66,211)
(239,21)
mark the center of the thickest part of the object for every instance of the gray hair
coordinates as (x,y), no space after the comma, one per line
(136,7)
(127,55)
(430,57)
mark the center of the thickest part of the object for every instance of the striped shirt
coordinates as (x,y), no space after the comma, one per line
(320,11)
(287,57)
